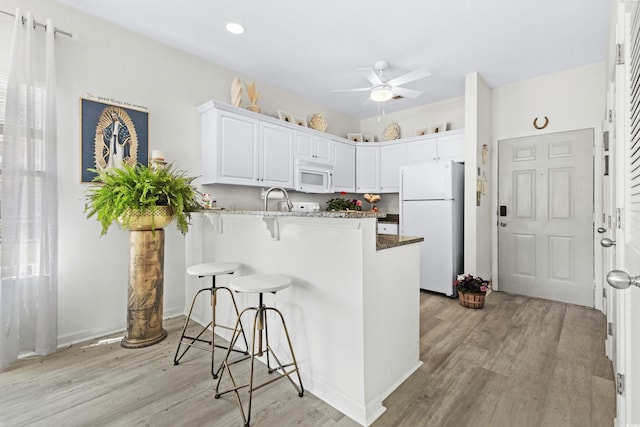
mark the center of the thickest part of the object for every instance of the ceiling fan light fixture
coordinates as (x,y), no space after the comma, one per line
(234,28)
(381,93)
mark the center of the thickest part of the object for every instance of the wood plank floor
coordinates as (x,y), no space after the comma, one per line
(518,362)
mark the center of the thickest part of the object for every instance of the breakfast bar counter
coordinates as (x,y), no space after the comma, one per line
(353,311)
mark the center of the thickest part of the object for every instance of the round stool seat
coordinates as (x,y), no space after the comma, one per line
(260,283)
(212,268)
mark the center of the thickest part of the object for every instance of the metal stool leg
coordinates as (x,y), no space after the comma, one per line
(194,340)
(259,325)
(191,341)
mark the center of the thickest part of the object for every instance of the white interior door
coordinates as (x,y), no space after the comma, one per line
(545,233)
(626,320)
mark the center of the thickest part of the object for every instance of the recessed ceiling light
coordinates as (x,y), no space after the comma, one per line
(235,28)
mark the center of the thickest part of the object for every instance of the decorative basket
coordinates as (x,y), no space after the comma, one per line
(146,220)
(471,299)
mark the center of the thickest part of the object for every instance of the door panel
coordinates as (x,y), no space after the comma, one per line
(545,241)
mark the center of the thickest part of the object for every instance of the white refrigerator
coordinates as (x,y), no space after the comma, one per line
(432,206)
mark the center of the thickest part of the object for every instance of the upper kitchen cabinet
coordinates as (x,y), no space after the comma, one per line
(367,169)
(243,150)
(378,167)
(442,146)
(229,147)
(275,156)
(392,157)
(344,169)
(313,148)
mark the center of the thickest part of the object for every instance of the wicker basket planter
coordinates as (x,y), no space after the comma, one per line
(471,299)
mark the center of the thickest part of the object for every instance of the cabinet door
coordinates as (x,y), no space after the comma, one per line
(323,149)
(276,156)
(391,158)
(344,170)
(422,151)
(237,149)
(451,146)
(367,169)
(304,146)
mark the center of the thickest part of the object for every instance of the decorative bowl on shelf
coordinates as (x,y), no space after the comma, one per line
(392,131)
(318,122)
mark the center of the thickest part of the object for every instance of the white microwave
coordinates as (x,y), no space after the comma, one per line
(313,177)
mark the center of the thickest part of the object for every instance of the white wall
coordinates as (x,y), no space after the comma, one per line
(477,220)
(108,61)
(572,99)
(410,120)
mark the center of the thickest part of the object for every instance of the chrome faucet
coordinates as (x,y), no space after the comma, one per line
(286,195)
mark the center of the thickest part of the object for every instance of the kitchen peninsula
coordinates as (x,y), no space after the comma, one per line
(353,309)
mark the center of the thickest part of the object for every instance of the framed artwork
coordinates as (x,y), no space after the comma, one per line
(422,132)
(285,117)
(437,128)
(112,135)
(356,137)
(300,121)
(368,138)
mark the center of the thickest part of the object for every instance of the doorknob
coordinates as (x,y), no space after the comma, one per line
(503,224)
(602,230)
(607,242)
(621,280)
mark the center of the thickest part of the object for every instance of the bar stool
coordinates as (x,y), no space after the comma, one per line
(260,284)
(212,269)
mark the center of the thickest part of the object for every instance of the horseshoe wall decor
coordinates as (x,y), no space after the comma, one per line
(535,123)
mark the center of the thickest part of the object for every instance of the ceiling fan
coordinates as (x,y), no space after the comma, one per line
(382,89)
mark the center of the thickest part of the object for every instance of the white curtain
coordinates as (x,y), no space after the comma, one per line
(29,272)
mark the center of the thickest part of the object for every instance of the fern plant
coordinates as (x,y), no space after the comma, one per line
(118,192)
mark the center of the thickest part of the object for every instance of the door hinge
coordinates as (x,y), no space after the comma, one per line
(619,218)
(604,292)
(610,329)
(619,54)
(620,384)
(609,221)
(610,116)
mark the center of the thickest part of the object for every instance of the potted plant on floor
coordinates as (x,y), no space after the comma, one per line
(143,200)
(471,290)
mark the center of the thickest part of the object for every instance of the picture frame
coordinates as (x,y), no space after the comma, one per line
(422,132)
(355,137)
(284,116)
(368,138)
(300,121)
(438,127)
(102,149)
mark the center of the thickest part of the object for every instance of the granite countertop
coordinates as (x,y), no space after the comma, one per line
(321,214)
(386,241)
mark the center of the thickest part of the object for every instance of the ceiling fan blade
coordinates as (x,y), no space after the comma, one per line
(371,75)
(360,89)
(420,73)
(406,93)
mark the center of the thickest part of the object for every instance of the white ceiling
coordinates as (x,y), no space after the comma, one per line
(311,47)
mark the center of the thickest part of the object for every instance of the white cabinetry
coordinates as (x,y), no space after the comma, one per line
(313,148)
(344,169)
(378,167)
(367,169)
(392,157)
(243,150)
(387,228)
(276,156)
(451,145)
(445,146)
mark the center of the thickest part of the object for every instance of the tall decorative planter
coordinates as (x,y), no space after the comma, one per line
(146,277)
(471,299)
(143,200)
